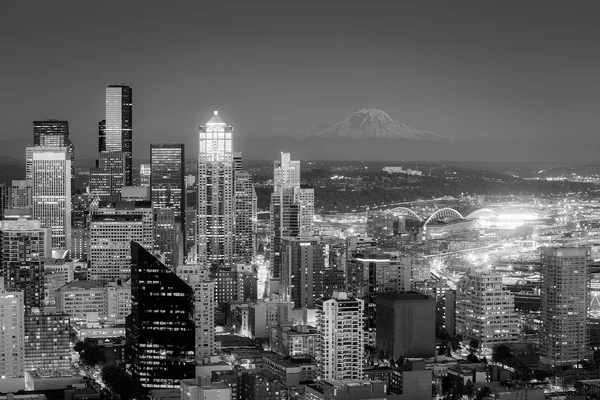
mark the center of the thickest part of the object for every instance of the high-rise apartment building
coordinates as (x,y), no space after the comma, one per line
(485,310)
(405,325)
(112,227)
(107,178)
(245,217)
(12,343)
(116,129)
(47,342)
(302,272)
(204,314)
(25,245)
(51,192)
(20,194)
(55,133)
(215,192)
(564,334)
(340,345)
(292,208)
(160,329)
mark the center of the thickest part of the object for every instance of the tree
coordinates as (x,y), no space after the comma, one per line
(501,353)
(118,381)
(474,345)
(89,352)
(446,384)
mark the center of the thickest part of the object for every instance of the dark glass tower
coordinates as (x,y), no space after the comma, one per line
(167,183)
(160,328)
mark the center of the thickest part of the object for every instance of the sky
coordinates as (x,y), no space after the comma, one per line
(478,70)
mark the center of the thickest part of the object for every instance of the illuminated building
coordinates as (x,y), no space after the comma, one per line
(25,245)
(294,340)
(47,342)
(292,208)
(20,195)
(167,236)
(302,270)
(485,311)
(341,344)
(57,274)
(5,198)
(190,233)
(144,174)
(405,325)
(107,178)
(160,328)
(12,343)
(116,129)
(167,164)
(80,239)
(245,217)
(51,192)
(564,333)
(204,314)
(112,227)
(54,133)
(215,206)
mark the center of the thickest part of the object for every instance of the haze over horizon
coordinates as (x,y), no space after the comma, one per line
(507,72)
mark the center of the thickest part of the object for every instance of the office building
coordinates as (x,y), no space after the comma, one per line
(564,334)
(57,274)
(215,206)
(245,217)
(341,344)
(113,225)
(204,314)
(264,314)
(144,174)
(12,343)
(168,242)
(485,311)
(167,168)
(47,342)
(286,172)
(51,192)
(160,328)
(191,233)
(80,243)
(5,198)
(302,270)
(116,129)
(20,194)
(25,246)
(405,325)
(294,340)
(55,133)
(107,178)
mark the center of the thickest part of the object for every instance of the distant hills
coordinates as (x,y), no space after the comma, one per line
(370,123)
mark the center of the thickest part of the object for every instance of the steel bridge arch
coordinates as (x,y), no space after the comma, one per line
(405,210)
(442,213)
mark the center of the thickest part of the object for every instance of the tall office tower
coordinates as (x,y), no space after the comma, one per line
(117,130)
(5,200)
(204,314)
(167,168)
(406,325)
(47,342)
(303,266)
(107,178)
(51,179)
(191,233)
(160,329)
(215,193)
(12,343)
(144,174)
(20,194)
(292,208)
(485,311)
(112,227)
(237,162)
(340,345)
(55,133)
(245,217)
(564,334)
(168,242)
(25,245)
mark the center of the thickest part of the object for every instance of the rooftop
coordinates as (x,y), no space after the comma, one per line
(400,296)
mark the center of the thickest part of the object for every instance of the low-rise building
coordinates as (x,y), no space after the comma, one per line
(294,340)
(290,370)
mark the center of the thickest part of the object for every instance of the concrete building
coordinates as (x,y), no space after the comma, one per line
(564,335)
(265,314)
(294,340)
(405,325)
(341,344)
(412,381)
(290,370)
(203,389)
(112,227)
(21,194)
(47,342)
(485,311)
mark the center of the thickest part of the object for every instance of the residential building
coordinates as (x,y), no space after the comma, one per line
(12,343)
(47,341)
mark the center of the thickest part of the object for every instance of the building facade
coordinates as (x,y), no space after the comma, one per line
(12,343)
(302,272)
(107,178)
(245,217)
(47,342)
(116,130)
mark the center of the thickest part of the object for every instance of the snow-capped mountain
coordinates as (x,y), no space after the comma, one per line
(371,123)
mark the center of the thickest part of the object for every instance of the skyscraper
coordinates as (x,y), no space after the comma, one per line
(215,192)
(25,245)
(245,216)
(20,194)
(112,227)
(160,328)
(51,192)
(55,133)
(12,344)
(302,270)
(340,345)
(116,130)
(107,178)
(485,311)
(5,198)
(292,208)
(168,242)
(564,334)
(167,165)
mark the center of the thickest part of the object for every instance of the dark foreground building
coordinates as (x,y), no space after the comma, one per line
(160,328)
